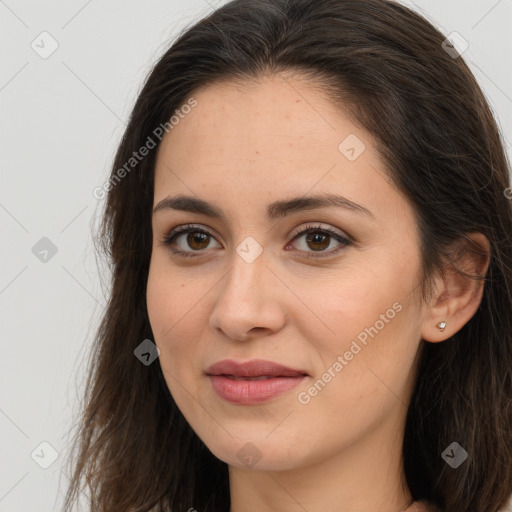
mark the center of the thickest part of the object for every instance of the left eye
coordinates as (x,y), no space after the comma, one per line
(316,238)
(319,239)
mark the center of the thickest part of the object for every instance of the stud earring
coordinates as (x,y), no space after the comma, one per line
(441,325)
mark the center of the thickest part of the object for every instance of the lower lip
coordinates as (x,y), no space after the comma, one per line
(252,391)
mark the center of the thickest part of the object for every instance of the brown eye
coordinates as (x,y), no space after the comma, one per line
(318,240)
(197,240)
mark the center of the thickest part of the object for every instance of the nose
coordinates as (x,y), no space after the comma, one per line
(249,301)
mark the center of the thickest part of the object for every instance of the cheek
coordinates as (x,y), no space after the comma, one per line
(368,316)
(171,316)
(364,369)
(176,309)
(168,297)
(166,307)
(357,300)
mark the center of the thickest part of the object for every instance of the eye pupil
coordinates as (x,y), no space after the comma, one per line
(317,238)
(197,237)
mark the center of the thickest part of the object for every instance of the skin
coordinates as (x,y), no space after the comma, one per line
(242,147)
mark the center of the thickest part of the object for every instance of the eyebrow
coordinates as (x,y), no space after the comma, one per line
(275,210)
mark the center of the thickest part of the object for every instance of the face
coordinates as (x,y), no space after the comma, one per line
(329,290)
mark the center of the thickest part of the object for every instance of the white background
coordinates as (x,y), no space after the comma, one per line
(61,120)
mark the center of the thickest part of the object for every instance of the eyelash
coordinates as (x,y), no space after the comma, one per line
(188,228)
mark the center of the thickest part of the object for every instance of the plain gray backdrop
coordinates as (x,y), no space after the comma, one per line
(69,75)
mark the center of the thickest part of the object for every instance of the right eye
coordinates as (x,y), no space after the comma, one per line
(197,239)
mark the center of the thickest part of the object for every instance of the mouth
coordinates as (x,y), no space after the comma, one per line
(253,369)
(253,381)
(261,377)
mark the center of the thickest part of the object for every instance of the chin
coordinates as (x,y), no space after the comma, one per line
(258,451)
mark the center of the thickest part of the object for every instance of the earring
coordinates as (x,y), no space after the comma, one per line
(441,325)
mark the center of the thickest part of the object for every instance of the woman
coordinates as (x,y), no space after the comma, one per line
(310,238)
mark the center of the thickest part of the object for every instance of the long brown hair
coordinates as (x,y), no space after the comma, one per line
(389,69)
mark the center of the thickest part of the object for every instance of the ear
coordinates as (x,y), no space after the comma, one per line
(456,295)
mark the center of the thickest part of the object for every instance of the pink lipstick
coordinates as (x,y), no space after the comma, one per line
(253,381)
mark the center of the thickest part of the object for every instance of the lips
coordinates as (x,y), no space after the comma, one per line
(252,370)
(253,381)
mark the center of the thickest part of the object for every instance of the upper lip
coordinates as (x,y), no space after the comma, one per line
(253,368)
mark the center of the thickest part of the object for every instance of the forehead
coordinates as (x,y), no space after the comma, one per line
(257,140)
(280,117)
